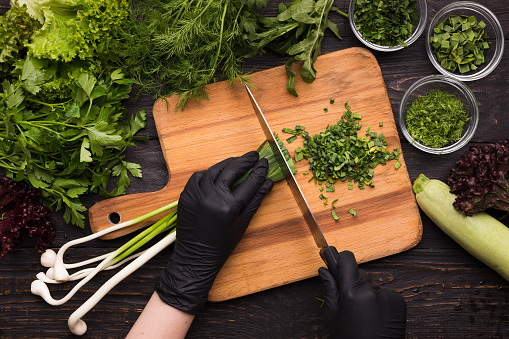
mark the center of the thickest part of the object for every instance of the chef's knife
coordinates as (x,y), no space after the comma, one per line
(290,178)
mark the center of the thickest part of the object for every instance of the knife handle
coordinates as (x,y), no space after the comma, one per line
(322,255)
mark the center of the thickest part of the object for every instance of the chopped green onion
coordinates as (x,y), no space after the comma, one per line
(340,153)
(298,130)
(333,202)
(352,212)
(291,139)
(334,215)
(298,156)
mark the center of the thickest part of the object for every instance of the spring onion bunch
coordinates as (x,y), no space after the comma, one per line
(57,270)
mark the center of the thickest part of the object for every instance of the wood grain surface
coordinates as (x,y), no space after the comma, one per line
(277,247)
(449,294)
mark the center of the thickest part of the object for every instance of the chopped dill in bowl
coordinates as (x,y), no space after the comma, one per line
(436,119)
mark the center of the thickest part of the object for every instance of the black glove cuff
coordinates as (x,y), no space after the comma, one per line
(183,303)
(185,286)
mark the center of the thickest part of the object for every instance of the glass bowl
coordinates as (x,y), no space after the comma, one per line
(492,55)
(422,15)
(446,85)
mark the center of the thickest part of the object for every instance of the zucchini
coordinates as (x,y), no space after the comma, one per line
(481,235)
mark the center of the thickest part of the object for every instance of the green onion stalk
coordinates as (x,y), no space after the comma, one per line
(168,222)
(57,272)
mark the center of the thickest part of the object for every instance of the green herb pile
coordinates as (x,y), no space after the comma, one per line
(436,119)
(385,23)
(62,124)
(180,46)
(61,38)
(16,27)
(63,127)
(339,153)
(69,148)
(459,43)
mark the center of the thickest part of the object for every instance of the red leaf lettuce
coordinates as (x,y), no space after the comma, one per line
(480,179)
(20,210)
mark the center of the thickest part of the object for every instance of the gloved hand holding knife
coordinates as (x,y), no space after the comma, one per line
(212,217)
(211,221)
(354,308)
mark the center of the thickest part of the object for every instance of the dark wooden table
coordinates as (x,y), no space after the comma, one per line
(449,293)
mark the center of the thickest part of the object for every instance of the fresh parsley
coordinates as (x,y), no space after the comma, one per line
(68,148)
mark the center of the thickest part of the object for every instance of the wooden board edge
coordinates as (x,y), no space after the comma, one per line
(417,228)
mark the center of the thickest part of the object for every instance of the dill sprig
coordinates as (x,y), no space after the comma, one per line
(180,46)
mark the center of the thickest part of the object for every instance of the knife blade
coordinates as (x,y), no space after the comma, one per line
(290,178)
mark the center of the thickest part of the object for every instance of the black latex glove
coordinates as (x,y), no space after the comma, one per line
(211,219)
(354,307)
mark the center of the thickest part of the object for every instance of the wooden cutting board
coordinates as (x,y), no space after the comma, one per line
(278,248)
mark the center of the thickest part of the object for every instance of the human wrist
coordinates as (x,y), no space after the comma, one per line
(159,320)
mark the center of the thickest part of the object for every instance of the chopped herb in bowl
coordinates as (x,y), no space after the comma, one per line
(465,41)
(387,25)
(436,119)
(438,114)
(459,43)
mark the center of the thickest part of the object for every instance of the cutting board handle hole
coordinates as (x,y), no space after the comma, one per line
(114,218)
